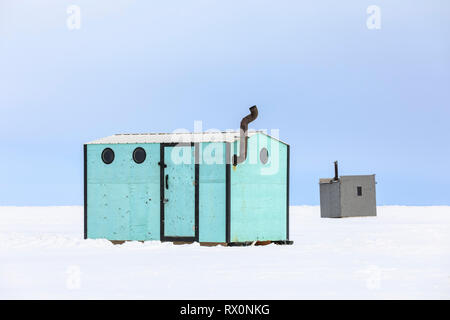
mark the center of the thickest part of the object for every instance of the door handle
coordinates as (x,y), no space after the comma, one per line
(167,182)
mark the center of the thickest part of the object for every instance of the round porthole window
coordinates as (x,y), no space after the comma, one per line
(139,155)
(108,155)
(264,155)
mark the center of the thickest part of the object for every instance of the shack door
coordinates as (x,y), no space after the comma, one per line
(178,186)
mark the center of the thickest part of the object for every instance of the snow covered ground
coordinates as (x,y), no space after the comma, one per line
(402,253)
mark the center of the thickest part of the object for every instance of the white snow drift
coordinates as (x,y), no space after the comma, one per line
(402,253)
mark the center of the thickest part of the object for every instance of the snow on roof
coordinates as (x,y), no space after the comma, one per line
(326,180)
(224,136)
(331,180)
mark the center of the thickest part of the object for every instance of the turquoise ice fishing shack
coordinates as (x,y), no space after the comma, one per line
(211,187)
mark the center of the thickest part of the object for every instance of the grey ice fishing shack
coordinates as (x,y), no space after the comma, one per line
(347,196)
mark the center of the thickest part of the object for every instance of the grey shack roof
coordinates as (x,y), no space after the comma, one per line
(331,180)
(216,136)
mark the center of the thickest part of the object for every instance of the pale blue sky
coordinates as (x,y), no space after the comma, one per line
(376,100)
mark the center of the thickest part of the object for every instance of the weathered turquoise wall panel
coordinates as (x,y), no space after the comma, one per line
(179,191)
(258,192)
(123,198)
(212,192)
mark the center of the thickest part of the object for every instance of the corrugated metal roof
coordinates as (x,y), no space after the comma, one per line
(225,136)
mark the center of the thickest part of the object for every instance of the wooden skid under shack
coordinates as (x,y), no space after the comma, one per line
(213,244)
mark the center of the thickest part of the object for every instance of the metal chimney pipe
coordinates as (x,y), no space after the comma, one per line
(336,175)
(244,136)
